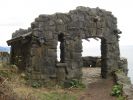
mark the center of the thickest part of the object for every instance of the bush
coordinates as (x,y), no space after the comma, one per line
(117,90)
(36,84)
(74,83)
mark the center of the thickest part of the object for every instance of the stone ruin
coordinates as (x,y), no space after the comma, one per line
(4,57)
(35,50)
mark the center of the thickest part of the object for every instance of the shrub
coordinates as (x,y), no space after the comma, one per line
(74,83)
(117,90)
(36,84)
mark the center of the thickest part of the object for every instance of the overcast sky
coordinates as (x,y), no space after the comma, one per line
(15,14)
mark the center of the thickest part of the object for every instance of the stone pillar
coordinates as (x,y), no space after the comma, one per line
(43,55)
(73,49)
(103,58)
(61,71)
(110,56)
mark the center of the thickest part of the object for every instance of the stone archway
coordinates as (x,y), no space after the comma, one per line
(78,24)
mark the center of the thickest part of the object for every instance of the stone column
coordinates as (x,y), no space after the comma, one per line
(109,56)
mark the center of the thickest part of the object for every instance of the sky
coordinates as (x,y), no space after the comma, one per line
(15,14)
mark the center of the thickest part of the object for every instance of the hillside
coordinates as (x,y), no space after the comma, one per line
(13,86)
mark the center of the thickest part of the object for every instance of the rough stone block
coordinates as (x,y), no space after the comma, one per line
(61,28)
(93,31)
(52,52)
(48,35)
(51,23)
(58,65)
(36,77)
(61,74)
(52,44)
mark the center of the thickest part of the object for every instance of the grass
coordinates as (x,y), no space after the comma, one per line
(17,83)
(121,98)
(47,93)
(56,96)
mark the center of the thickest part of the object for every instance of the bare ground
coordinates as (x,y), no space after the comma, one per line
(97,88)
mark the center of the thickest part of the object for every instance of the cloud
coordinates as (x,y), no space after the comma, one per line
(10,24)
(17,14)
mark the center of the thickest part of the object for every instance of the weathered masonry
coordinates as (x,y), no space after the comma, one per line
(35,50)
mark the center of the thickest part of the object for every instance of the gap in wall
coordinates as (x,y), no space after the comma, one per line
(58,51)
(91,47)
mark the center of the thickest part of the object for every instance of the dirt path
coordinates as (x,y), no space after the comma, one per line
(98,89)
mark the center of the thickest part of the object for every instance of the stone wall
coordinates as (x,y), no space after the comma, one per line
(91,61)
(123,65)
(122,78)
(20,32)
(69,29)
(125,81)
(94,61)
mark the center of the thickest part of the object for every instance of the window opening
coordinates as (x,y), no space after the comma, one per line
(61,48)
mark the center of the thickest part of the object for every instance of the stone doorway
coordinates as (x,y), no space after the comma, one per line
(91,56)
(99,61)
(91,52)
